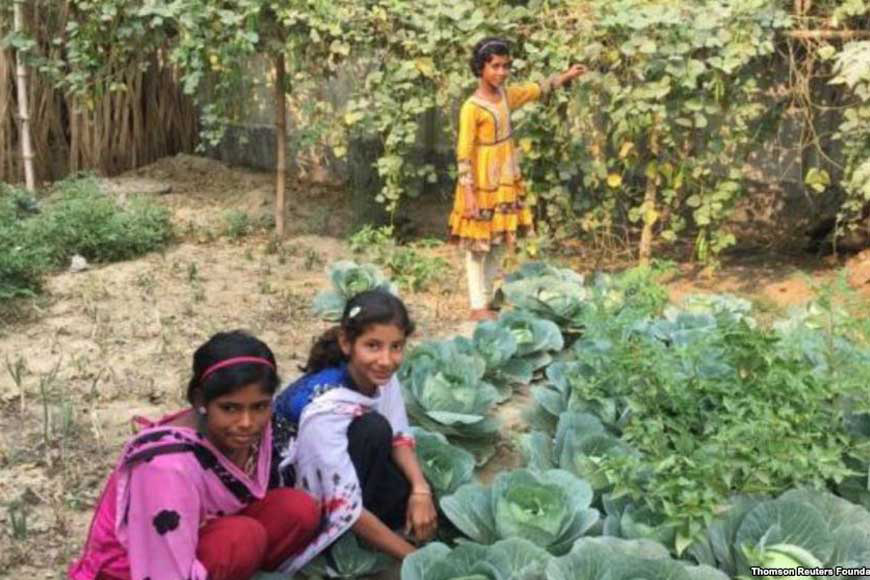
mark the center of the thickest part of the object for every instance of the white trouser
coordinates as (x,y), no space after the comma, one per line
(482,269)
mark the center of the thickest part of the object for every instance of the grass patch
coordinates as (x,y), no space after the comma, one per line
(74,218)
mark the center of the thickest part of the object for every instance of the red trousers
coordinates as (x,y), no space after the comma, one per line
(260,537)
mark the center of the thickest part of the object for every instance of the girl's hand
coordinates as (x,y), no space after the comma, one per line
(572,73)
(421,518)
(471,209)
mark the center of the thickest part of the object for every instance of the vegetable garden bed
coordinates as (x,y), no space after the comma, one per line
(670,441)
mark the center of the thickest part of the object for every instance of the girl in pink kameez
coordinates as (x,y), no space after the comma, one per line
(195,495)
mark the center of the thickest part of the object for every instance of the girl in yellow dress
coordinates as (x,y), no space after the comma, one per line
(489,211)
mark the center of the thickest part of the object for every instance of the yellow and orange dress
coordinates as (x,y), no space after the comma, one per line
(487,162)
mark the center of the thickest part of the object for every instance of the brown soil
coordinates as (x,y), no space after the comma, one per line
(115,341)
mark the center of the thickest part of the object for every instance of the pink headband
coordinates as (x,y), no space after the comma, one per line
(236,360)
(492,43)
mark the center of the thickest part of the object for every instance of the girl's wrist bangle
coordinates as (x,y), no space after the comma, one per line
(421,492)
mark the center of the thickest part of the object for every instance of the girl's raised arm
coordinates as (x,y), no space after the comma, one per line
(519,95)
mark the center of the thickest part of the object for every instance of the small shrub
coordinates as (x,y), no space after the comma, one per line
(371,239)
(83,220)
(22,264)
(78,219)
(414,271)
(237,224)
(410,269)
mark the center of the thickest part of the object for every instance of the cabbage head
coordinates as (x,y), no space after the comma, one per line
(802,527)
(445,392)
(551,509)
(445,466)
(550,297)
(348,279)
(536,337)
(510,559)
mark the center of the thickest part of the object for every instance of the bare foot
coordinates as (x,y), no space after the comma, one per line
(478,314)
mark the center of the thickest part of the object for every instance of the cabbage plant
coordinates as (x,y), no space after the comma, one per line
(565,381)
(537,269)
(727,306)
(573,301)
(348,279)
(551,297)
(630,520)
(536,338)
(617,559)
(581,442)
(802,528)
(496,345)
(347,558)
(515,347)
(510,559)
(445,466)
(551,509)
(445,393)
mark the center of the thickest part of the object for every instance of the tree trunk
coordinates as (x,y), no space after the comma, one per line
(280,143)
(648,208)
(23,109)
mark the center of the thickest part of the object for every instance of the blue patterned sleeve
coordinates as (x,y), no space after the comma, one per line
(290,403)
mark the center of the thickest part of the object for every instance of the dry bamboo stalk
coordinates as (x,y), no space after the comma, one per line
(7,146)
(281,143)
(23,111)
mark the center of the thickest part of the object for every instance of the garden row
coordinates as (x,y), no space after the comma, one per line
(683,442)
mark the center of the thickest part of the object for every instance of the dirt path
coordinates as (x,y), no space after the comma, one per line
(115,341)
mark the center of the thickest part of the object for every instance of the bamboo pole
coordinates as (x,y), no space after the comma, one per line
(828,34)
(281,143)
(23,110)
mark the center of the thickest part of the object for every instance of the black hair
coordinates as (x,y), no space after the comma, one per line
(484,51)
(223,381)
(360,313)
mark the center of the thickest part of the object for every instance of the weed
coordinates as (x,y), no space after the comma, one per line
(312,259)
(146,281)
(17,513)
(237,224)
(192,272)
(58,414)
(197,292)
(272,246)
(16,371)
